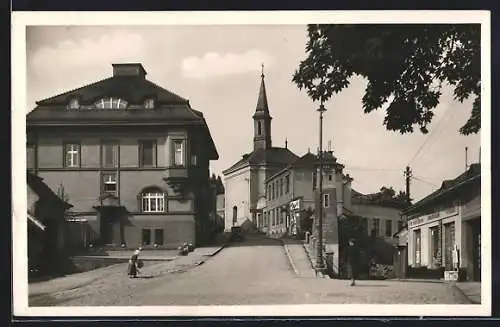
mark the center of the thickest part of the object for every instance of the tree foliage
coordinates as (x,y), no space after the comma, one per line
(405,65)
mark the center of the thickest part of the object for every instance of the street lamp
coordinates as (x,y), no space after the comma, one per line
(319,251)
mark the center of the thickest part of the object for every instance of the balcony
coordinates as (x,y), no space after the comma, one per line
(175,173)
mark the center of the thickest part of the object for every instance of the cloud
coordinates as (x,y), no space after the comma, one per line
(114,47)
(216,64)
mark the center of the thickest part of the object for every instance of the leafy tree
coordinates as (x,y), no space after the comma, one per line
(405,65)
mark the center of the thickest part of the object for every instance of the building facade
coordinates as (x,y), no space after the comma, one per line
(133,159)
(245,193)
(444,228)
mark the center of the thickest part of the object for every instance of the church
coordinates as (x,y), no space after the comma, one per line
(245,192)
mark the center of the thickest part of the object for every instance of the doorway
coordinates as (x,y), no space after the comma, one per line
(476,249)
(110,226)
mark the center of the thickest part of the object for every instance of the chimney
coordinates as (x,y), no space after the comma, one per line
(129,69)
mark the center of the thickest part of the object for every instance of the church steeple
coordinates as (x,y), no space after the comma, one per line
(262,119)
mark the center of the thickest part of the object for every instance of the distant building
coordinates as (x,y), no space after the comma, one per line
(132,157)
(46,225)
(245,194)
(447,220)
(289,194)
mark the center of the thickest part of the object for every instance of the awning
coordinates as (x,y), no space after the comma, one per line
(37,222)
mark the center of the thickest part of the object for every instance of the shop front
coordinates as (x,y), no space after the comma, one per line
(432,240)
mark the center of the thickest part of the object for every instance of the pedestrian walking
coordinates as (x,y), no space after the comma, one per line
(353,260)
(133,264)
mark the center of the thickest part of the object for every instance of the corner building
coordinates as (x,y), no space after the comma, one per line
(132,157)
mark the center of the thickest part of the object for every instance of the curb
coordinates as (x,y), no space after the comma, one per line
(216,251)
(285,246)
(463,294)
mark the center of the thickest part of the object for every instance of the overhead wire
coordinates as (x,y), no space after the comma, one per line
(432,133)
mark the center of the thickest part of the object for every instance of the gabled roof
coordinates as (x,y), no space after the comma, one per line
(472,174)
(44,192)
(134,89)
(308,160)
(272,156)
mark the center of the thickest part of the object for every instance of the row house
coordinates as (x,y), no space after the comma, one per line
(444,228)
(133,159)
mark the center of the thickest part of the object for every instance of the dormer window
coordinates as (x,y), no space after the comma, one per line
(73,104)
(149,103)
(111,103)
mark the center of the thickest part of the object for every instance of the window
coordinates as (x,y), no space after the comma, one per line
(273,195)
(281,186)
(178,153)
(109,154)
(111,103)
(314,180)
(259,128)
(149,104)
(159,236)
(388,228)
(71,155)
(287,184)
(376,226)
(269,192)
(330,177)
(147,153)
(326,200)
(73,104)
(435,245)
(30,156)
(418,244)
(109,183)
(153,201)
(146,236)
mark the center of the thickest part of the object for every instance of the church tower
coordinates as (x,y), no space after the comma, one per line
(262,119)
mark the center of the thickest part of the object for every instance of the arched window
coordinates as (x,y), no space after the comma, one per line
(111,103)
(152,200)
(259,128)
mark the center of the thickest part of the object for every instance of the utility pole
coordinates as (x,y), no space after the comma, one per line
(408,175)
(466,159)
(319,250)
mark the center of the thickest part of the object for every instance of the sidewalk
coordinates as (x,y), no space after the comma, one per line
(298,258)
(470,289)
(156,268)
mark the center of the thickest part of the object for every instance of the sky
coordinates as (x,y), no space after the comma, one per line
(218,67)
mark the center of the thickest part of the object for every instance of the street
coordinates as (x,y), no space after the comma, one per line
(255,272)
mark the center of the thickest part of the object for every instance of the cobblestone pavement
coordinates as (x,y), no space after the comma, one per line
(255,272)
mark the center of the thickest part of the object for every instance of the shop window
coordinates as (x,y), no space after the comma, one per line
(418,247)
(376,226)
(435,245)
